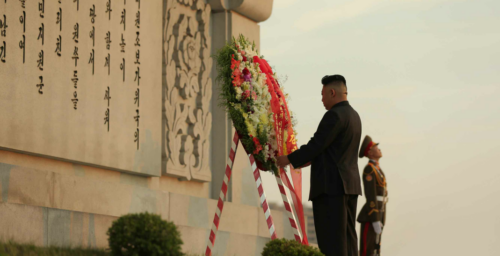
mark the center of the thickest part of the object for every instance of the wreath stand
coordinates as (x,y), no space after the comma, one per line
(262,195)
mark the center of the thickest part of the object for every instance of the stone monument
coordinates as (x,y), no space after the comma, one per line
(109,107)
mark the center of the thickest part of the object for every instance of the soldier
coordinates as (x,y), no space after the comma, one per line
(372,215)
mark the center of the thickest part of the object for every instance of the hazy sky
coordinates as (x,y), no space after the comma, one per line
(425,78)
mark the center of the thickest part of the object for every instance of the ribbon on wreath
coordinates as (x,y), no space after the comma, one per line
(285,137)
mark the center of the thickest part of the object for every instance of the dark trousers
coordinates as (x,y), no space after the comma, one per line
(368,245)
(335,220)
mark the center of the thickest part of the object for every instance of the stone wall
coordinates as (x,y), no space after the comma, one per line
(48,199)
(47,202)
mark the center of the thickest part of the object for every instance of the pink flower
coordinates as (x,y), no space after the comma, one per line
(245,95)
(237,81)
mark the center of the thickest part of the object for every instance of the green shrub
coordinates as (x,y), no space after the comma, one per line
(283,247)
(144,234)
(12,248)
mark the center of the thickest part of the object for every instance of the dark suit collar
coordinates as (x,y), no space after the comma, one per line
(342,103)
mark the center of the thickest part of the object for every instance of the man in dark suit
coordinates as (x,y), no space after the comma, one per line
(335,181)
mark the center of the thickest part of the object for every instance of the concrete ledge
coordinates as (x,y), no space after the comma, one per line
(54,190)
(44,226)
(22,223)
(281,224)
(50,208)
(256,10)
(199,212)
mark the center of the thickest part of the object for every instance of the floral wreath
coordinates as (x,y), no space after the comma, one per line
(255,102)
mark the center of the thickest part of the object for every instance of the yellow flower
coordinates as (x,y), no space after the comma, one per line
(250,128)
(245,86)
(263,119)
(261,129)
(244,114)
(238,92)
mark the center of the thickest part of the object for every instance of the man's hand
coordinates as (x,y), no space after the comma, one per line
(283,161)
(377,226)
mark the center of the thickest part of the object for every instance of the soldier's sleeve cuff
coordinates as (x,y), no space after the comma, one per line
(373,215)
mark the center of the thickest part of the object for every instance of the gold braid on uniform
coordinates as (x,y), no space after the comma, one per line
(380,180)
(372,211)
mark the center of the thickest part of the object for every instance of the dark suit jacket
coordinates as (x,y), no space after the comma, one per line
(333,153)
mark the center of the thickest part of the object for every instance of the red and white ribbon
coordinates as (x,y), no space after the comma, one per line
(222,196)
(262,196)
(291,215)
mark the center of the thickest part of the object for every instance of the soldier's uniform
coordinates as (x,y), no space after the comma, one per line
(374,210)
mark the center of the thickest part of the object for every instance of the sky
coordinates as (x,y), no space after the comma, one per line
(424,75)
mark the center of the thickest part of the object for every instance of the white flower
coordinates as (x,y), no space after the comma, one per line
(255,119)
(245,86)
(238,93)
(254,83)
(263,77)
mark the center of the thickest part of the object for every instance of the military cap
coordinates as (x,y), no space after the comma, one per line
(366,146)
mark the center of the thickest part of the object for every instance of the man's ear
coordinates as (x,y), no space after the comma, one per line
(334,93)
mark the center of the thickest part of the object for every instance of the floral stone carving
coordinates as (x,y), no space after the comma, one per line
(187,90)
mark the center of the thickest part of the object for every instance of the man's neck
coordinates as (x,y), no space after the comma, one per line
(374,160)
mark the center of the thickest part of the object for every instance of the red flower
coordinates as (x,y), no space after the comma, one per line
(246,71)
(235,64)
(258,147)
(244,58)
(237,80)
(245,95)
(236,72)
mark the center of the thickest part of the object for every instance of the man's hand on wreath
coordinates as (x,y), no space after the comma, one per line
(283,161)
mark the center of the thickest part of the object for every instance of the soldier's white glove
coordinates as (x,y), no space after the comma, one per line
(377,226)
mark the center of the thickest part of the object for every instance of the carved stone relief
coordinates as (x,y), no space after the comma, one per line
(187,90)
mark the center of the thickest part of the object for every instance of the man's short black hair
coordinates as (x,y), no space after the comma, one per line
(326,80)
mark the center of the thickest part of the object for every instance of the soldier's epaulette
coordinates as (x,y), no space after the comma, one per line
(368,170)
